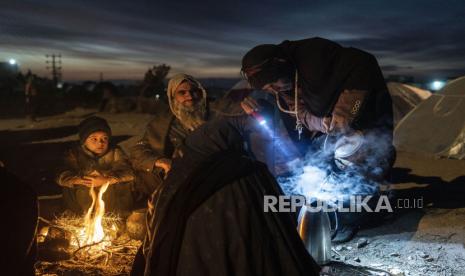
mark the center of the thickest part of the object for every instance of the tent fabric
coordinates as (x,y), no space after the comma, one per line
(405,98)
(436,127)
(454,87)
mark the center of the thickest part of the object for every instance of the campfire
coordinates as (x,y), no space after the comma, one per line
(93,233)
(94,244)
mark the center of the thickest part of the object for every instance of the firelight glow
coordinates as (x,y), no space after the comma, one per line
(93,231)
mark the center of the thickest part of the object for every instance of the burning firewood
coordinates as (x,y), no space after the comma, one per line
(93,244)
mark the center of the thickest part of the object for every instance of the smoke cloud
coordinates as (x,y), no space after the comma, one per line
(326,176)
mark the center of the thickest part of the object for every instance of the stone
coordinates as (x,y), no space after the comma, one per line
(54,244)
(339,248)
(362,243)
(396,272)
(395,254)
(349,247)
(136,224)
(57,238)
(423,255)
(357,259)
(429,259)
(52,254)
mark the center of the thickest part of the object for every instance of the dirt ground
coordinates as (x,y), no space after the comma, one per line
(413,241)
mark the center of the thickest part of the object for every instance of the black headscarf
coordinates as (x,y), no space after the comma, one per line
(324,68)
(266,64)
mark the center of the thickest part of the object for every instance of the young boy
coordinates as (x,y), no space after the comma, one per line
(94,162)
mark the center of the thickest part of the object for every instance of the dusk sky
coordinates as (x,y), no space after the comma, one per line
(123,39)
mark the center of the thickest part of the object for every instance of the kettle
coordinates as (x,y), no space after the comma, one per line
(314,229)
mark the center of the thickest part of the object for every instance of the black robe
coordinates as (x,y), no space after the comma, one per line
(209,220)
(326,69)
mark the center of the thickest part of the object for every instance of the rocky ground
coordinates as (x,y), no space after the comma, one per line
(428,242)
(413,241)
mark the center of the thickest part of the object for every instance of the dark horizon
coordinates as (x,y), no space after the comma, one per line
(122,40)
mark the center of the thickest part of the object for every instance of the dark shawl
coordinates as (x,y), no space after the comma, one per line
(326,69)
(209,220)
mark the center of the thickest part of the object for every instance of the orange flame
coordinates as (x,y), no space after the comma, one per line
(93,220)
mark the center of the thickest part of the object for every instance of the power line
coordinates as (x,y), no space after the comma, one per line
(54,61)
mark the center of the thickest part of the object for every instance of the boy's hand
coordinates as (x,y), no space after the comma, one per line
(96,181)
(94,173)
(81,181)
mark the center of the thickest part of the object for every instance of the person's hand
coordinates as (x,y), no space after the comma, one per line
(81,181)
(164,163)
(196,124)
(326,124)
(339,125)
(97,181)
(249,105)
(94,173)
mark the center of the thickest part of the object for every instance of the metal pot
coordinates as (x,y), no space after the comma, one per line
(315,231)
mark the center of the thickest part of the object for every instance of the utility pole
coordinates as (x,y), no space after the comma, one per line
(54,64)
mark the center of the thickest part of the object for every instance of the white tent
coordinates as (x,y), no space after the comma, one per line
(437,125)
(455,87)
(405,98)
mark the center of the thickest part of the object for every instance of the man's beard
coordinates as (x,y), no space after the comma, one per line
(191,117)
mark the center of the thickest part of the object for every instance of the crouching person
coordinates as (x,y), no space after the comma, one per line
(208,216)
(93,163)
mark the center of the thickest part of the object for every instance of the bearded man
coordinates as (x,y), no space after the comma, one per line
(165,134)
